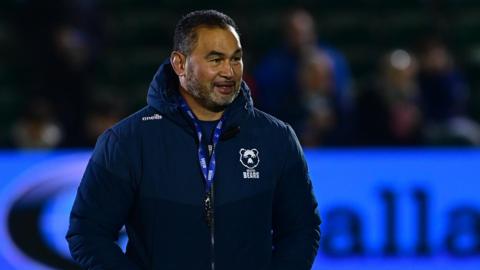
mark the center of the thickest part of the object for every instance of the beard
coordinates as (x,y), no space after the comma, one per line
(206,96)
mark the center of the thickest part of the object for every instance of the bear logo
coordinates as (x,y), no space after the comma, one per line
(249,158)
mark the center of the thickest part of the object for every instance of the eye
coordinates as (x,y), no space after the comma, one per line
(237,59)
(216,60)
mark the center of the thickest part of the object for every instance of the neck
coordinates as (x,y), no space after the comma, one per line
(200,111)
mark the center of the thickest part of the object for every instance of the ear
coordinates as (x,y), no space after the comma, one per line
(178,61)
(255,151)
(242,151)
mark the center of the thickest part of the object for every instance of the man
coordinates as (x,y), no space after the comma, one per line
(200,178)
(281,86)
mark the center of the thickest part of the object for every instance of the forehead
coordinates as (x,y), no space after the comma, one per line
(217,39)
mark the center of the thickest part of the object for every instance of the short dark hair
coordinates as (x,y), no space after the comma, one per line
(185,36)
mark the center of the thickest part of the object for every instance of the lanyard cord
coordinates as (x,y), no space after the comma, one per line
(208,170)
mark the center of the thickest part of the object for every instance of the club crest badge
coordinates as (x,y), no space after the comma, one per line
(250,160)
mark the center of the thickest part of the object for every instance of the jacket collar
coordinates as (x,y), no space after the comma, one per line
(163,94)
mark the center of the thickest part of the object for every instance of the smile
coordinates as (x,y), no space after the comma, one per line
(225,88)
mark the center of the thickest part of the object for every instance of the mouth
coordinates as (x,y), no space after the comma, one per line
(225,88)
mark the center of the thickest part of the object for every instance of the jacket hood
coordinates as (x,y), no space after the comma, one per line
(163,95)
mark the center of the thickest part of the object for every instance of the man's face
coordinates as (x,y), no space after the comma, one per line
(214,68)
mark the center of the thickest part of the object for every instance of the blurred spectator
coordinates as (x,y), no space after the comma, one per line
(444,91)
(61,42)
(444,96)
(37,127)
(316,90)
(388,109)
(279,79)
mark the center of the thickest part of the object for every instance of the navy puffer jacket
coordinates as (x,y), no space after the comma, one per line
(144,173)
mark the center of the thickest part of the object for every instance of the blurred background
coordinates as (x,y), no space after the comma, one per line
(383,95)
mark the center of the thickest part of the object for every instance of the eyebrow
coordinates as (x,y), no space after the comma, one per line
(220,54)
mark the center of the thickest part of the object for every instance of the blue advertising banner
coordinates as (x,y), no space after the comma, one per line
(398,209)
(381,209)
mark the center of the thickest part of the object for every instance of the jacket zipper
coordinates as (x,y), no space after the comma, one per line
(210,216)
(212,230)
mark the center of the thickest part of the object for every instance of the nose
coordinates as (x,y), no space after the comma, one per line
(227,70)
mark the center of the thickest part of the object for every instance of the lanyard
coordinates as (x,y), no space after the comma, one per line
(208,170)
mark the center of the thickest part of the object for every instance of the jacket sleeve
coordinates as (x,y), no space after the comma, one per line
(101,207)
(296,231)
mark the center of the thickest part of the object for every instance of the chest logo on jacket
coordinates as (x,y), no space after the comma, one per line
(250,160)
